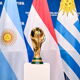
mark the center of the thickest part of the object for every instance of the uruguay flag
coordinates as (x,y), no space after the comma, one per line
(39,16)
(68,35)
(13,52)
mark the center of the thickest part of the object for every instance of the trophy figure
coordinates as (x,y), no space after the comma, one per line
(37,38)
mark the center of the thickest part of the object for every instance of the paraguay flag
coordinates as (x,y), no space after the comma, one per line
(39,16)
(68,35)
(13,52)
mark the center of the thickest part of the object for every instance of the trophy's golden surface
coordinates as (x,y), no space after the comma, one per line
(37,37)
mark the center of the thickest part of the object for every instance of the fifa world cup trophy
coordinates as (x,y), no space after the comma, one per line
(37,38)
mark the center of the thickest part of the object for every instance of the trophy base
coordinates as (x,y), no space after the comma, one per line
(37,71)
(37,61)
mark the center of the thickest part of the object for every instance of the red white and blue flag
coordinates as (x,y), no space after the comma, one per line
(39,16)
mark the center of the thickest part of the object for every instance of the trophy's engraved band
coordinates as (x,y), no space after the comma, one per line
(37,60)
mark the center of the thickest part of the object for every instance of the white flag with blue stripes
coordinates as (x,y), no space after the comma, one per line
(13,52)
(68,35)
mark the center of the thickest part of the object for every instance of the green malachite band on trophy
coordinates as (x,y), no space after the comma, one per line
(37,62)
(37,58)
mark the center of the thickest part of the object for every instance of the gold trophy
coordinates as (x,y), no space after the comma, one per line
(37,37)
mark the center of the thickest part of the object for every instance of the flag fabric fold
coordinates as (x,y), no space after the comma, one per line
(13,52)
(68,34)
(39,16)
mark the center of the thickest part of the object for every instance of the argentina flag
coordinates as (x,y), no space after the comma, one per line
(68,35)
(13,52)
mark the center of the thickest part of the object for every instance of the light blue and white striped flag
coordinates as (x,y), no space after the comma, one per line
(13,52)
(68,35)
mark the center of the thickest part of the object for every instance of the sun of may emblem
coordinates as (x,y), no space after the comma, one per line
(8,37)
(67,6)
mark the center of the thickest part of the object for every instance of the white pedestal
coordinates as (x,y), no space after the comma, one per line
(36,71)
